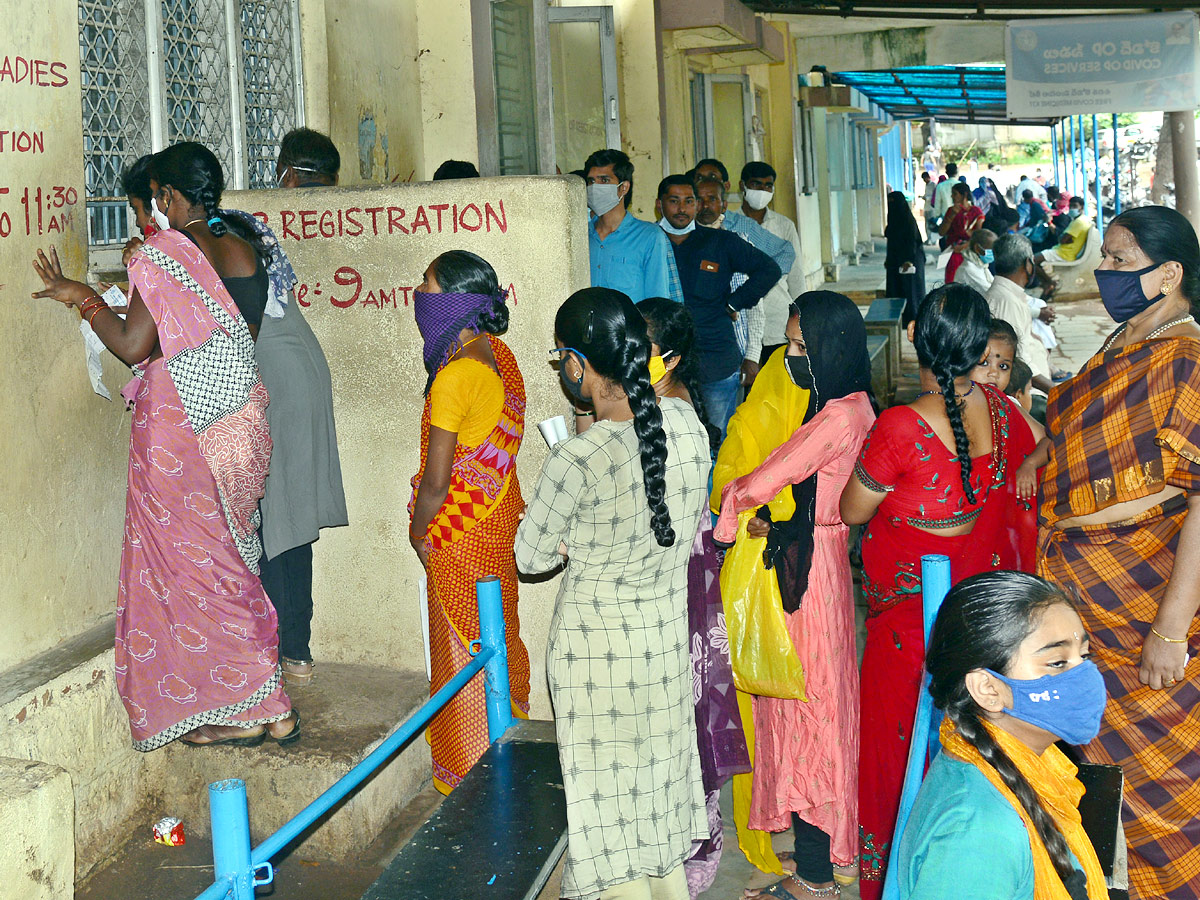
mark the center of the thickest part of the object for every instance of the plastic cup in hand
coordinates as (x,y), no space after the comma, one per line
(553,430)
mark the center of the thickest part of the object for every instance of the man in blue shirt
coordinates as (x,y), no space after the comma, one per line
(706,260)
(627,254)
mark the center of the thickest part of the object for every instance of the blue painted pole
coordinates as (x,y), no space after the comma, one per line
(231,837)
(1054,152)
(377,757)
(1083,177)
(935,584)
(491,635)
(1096,161)
(1071,139)
(1116,167)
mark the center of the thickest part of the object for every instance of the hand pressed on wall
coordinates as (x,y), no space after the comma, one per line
(56,285)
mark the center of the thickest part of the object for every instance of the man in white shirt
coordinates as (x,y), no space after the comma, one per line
(1008,301)
(758,189)
(1028,184)
(941,198)
(974,270)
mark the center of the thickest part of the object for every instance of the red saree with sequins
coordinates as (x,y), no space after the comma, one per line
(471,536)
(904,456)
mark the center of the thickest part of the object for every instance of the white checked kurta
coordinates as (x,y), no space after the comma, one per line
(617,659)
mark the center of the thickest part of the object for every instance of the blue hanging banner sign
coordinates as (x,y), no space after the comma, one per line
(1094,64)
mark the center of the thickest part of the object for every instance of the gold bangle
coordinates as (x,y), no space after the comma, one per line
(1154,631)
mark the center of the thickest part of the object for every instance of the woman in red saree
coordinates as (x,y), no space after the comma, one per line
(466,498)
(933,477)
(962,220)
(196,637)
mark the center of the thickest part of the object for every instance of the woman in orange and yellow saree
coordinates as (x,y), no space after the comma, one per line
(466,498)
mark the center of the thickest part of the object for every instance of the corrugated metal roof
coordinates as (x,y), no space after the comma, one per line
(971,94)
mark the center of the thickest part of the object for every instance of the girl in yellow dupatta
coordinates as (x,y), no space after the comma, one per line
(998,812)
(770,415)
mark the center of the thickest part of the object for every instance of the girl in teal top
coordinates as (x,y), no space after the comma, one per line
(997,815)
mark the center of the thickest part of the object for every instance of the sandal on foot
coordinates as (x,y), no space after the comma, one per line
(845,875)
(291,736)
(782,891)
(297,672)
(234,736)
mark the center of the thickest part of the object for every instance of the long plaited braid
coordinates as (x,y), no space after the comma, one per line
(971,728)
(962,443)
(652,441)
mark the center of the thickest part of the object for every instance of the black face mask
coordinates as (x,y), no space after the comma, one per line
(799,371)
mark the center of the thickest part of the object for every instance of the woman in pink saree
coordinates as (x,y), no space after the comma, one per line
(196,637)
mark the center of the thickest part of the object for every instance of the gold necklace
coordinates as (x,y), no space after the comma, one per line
(191,223)
(1153,334)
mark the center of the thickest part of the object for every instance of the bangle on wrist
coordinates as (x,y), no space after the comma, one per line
(1158,634)
(95,312)
(584,414)
(413,536)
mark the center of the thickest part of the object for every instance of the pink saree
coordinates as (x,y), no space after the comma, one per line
(196,638)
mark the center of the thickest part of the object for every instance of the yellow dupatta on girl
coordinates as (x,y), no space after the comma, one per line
(1052,777)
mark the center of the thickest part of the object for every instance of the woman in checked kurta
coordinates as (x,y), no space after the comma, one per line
(806,753)
(466,497)
(620,504)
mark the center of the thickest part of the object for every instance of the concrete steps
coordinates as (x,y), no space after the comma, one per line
(347,711)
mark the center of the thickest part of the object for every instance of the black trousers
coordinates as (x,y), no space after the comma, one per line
(811,852)
(287,579)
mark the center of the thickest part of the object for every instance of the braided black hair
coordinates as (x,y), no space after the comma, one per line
(194,171)
(669,324)
(607,328)
(951,336)
(980,625)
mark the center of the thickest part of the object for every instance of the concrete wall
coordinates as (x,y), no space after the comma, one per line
(37,854)
(933,45)
(355,287)
(64,448)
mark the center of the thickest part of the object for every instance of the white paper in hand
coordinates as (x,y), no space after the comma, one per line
(93,346)
(423,593)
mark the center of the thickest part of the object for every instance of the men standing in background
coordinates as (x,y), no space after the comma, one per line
(706,259)
(758,190)
(307,158)
(627,254)
(942,201)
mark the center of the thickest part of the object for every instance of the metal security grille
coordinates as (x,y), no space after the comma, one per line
(116,110)
(156,72)
(269,84)
(196,76)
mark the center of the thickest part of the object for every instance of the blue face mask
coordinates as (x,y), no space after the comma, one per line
(1068,706)
(988,257)
(1122,294)
(572,386)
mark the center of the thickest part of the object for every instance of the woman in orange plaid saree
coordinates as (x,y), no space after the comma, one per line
(1123,474)
(466,499)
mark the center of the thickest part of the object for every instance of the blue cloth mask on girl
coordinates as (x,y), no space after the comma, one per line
(1069,705)
(988,256)
(1122,294)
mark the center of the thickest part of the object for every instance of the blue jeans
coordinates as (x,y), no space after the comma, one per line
(721,399)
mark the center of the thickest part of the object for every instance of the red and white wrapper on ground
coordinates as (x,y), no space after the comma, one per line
(169,831)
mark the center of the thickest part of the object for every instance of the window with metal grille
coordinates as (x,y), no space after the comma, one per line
(225,73)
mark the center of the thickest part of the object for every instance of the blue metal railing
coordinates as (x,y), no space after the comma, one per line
(236,864)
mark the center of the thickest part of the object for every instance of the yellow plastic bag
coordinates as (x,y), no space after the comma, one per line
(760,648)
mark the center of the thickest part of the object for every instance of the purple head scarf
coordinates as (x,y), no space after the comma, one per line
(442,317)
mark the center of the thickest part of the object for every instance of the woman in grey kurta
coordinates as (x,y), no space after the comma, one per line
(304,485)
(621,503)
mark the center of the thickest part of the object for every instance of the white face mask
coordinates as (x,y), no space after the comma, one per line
(159,217)
(671,229)
(602,197)
(757,199)
(717,224)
